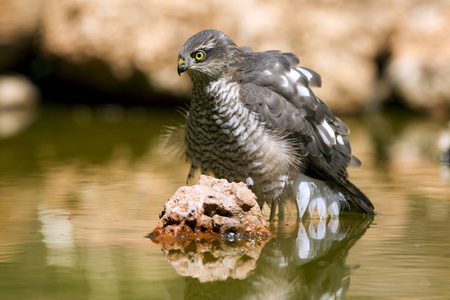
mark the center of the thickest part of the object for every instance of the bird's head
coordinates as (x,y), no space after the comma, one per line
(206,55)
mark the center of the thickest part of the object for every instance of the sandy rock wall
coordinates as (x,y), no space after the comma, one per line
(19,23)
(132,45)
(420,66)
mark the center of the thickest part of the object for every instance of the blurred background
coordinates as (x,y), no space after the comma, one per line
(87,87)
(371,54)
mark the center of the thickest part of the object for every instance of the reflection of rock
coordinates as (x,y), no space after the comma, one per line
(283,272)
(18,97)
(210,209)
(215,260)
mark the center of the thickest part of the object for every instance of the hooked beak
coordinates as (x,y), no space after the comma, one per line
(181,66)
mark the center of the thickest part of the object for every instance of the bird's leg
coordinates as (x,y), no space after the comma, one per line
(280,210)
(192,170)
(298,212)
(273,209)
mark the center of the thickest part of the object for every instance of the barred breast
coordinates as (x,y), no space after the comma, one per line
(226,139)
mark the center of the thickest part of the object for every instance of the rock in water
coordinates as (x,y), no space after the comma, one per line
(213,208)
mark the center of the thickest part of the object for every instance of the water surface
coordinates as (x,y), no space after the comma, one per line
(81,187)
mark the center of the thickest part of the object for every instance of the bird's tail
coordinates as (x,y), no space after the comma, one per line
(313,193)
(357,199)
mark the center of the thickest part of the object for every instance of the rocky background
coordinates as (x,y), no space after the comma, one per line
(370,53)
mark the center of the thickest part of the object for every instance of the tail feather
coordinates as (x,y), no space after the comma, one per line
(358,200)
(314,193)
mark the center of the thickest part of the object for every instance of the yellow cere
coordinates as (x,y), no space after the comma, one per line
(180,62)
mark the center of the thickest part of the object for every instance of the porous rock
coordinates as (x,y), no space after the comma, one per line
(213,208)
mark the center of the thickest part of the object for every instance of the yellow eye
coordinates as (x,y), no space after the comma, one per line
(199,55)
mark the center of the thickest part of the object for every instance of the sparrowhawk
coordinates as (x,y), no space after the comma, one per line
(254,118)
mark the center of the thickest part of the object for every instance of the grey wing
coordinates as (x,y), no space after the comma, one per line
(321,144)
(275,87)
(279,92)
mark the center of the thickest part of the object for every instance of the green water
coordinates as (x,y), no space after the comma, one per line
(81,187)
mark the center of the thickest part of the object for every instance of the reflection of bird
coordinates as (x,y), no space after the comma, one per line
(287,269)
(254,118)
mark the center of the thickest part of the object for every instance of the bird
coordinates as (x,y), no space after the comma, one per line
(254,118)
